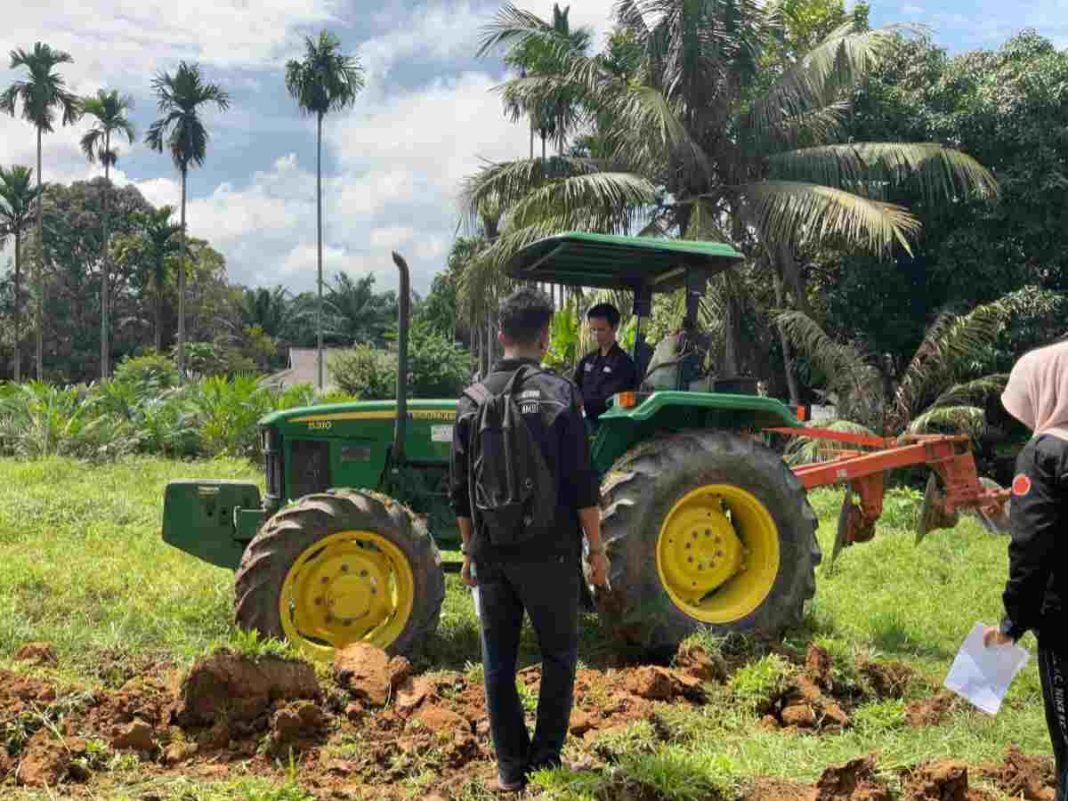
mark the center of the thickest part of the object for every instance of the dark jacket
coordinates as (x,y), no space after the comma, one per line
(552,409)
(1038,552)
(600,377)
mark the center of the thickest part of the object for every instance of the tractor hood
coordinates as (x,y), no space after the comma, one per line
(320,420)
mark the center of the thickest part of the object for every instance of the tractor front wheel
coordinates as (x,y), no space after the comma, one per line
(338,568)
(705,530)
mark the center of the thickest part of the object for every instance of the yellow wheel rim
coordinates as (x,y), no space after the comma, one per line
(353,586)
(717,553)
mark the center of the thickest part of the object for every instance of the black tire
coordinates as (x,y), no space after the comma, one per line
(292,530)
(642,488)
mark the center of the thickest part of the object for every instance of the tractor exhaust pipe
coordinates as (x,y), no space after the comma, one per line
(403,308)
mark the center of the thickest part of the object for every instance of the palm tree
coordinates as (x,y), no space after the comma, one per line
(108,110)
(156,244)
(17,197)
(555,116)
(358,314)
(41,96)
(268,309)
(728,147)
(182,130)
(324,80)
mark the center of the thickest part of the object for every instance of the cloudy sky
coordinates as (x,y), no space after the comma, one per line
(427,118)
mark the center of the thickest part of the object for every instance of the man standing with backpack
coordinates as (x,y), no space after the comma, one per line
(524,491)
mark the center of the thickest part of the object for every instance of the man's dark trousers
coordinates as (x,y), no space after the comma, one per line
(548,589)
(1053,670)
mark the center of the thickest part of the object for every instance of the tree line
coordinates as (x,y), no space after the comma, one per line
(324,80)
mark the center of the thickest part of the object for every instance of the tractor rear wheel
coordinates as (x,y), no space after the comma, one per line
(341,567)
(705,530)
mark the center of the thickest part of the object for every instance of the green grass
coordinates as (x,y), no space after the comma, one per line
(82,565)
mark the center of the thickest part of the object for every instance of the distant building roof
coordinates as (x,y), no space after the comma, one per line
(302,369)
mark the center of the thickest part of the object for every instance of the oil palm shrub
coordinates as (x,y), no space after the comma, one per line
(940,388)
(43,95)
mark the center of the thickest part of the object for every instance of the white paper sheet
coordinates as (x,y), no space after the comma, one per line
(982,675)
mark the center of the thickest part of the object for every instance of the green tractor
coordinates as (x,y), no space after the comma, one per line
(704,524)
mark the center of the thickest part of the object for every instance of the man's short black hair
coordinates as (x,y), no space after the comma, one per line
(604,311)
(524,314)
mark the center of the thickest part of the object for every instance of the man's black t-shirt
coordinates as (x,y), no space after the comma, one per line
(599,377)
(551,408)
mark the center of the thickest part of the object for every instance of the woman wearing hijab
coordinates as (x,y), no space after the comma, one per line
(1035,594)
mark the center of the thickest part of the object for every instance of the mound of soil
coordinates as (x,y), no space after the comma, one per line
(231,687)
(886,679)
(47,760)
(930,711)
(853,781)
(941,781)
(1022,776)
(38,653)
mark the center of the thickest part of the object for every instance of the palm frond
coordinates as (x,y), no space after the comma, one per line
(507,183)
(847,373)
(796,212)
(970,391)
(596,195)
(969,420)
(873,167)
(820,78)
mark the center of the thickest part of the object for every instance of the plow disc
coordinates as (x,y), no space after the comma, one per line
(861,461)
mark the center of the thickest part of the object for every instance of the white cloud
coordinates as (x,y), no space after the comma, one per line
(391,237)
(437,32)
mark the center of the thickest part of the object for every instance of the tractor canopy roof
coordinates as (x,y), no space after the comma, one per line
(621,262)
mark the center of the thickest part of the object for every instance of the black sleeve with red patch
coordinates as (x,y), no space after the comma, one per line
(1037,518)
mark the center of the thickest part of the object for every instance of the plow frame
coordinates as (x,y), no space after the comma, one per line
(861,461)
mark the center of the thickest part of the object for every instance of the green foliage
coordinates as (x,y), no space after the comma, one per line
(880,716)
(437,368)
(365,372)
(565,336)
(148,374)
(757,682)
(252,644)
(208,359)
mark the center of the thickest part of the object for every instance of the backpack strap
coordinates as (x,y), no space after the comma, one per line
(478,394)
(524,371)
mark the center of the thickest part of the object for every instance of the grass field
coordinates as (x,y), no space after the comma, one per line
(82,565)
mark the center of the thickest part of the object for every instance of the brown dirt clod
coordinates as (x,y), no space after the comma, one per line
(413,694)
(853,781)
(887,679)
(38,653)
(228,686)
(930,711)
(1023,776)
(656,683)
(695,661)
(940,781)
(47,761)
(364,671)
(778,790)
(137,735)
(297,721)
(818,667)
(400,670)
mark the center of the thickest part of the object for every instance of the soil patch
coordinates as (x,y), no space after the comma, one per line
(853,781)
(941,781)
(38,653)
(930,711)
(1022,776)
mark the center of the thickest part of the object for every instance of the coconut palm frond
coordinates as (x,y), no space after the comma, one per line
(970,391)
(821,77)
(509,182)
(804,128)
(598,195)
(793,211)
(513,27)
(937,171)
(969,420)
(648,127)
(806,451)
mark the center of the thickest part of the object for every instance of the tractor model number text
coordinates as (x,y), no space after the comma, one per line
(320,425)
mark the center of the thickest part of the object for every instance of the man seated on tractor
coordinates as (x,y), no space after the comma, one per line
(607,370)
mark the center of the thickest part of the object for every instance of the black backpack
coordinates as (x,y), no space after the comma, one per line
(513,492)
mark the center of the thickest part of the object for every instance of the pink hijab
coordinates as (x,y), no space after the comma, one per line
(1037,392)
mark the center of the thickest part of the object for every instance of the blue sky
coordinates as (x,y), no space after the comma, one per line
(427,118)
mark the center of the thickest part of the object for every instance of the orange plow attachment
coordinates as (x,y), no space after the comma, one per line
(860,462)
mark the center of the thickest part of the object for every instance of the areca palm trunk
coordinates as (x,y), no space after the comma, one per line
(159,317)
(39,281)
(181,285)
(104,350)
(319,251)
(787,355)
(17,367)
